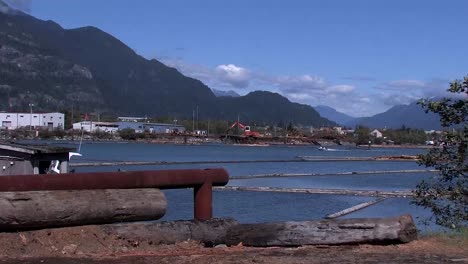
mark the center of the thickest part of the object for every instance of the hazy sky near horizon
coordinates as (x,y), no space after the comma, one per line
(358,56)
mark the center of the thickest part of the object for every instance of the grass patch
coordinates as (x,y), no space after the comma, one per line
(459,237)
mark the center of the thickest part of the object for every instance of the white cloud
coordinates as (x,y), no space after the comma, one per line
(405,84)
(237,76)
(315,90)
(413,90)
(222,77)
(307,88)
(342,88)
(299,84)
(396,99)
(365,99)
(301,97)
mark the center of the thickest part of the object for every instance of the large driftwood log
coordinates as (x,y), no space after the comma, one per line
(331,232)
(45,209)
(210,232)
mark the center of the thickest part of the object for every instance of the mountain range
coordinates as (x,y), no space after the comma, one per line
(86,68)
(412,116)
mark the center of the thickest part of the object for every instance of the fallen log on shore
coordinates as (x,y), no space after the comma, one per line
(210,232)
(229,232)
(46,209)
(330,232)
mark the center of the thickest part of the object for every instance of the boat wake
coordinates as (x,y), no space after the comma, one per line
(330,149)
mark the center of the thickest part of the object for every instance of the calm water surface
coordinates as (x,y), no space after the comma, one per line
(254,207)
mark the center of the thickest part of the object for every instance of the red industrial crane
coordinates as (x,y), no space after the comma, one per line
(246,129)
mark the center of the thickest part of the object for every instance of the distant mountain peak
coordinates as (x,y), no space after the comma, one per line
(220,93)
(5,8)
(9,8)
(411,115)
(333,114)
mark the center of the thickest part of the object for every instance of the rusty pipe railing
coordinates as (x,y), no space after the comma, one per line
(201,180)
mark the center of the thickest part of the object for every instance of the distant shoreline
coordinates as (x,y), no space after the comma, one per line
(398,146)
(206,141)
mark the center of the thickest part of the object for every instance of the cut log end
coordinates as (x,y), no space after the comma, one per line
(408,231)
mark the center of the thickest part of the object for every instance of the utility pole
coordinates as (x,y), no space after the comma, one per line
(73,104)
(193,121)
(197,117)
(30,117)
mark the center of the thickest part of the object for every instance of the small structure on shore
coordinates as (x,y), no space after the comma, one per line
(19,159)
(376,133)
(91,126)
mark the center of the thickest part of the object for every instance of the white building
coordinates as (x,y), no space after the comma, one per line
(132,119)
(339,130)
(91,126)
(376,133)
(35,120)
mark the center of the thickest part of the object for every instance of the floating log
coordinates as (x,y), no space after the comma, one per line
(330,232)
(354,208)
(155,163)
(377,193)
(378,158)
(45,209)
(209,232)
(310,174)
(298,159)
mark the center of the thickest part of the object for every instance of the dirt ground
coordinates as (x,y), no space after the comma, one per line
(88,245)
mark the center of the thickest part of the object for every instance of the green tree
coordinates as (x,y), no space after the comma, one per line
(362,135)
(447,194)
(128,134)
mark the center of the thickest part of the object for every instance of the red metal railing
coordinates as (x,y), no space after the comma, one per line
(201,180)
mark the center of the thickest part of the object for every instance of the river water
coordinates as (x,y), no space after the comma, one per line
(252,207)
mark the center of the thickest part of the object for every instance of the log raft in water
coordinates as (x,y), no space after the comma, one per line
(45,209)
(298,159)
(376,193)
(327,232)
(311,174)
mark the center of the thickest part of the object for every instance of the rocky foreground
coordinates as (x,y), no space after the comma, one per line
(87,245)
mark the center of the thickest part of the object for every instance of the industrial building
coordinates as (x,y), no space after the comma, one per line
(132,119)
(91,126)
(157,128)
(33,120)
(139,127)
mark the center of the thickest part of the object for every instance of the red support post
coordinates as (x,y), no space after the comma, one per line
(203,201)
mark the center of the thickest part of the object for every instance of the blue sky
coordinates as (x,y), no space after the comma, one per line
(360,57)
